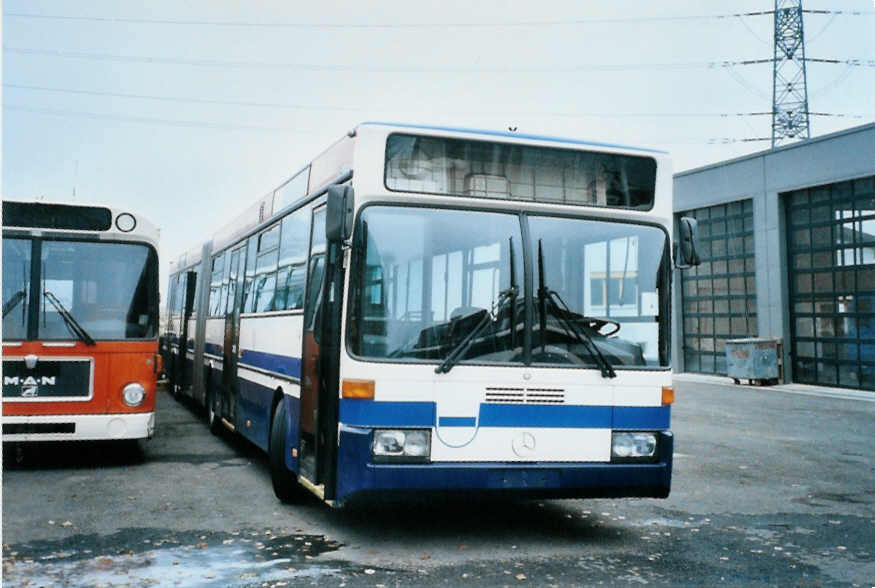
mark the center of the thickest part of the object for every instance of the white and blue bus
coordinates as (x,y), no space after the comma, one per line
(444,310)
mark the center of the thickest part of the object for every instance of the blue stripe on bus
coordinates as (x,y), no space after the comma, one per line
(368,413)
(649,418)
(281,364)
(521,415)
(271,362)
(457,422)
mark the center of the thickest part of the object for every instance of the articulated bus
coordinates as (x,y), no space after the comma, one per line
(442,310)
(80,323)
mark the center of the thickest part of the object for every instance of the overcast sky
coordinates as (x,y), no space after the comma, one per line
(187,112)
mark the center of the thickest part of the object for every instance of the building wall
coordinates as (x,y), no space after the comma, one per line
(763,177)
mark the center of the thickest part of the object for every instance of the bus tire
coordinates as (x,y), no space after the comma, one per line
(213,419)
(285,483)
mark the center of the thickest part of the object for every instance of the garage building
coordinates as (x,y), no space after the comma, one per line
(787,240)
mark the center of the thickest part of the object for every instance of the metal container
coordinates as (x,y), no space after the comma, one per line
(755,360)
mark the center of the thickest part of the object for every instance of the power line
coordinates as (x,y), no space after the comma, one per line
(840,12)
(417,25)
(280,105)
(233,127)
(610,67)
(150,120)
(355,67)
(276,105)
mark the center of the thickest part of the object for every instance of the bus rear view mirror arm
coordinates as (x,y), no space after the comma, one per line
(686,254)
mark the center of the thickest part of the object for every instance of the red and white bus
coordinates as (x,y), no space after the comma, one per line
(80,322)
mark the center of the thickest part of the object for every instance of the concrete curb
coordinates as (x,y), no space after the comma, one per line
(800,389)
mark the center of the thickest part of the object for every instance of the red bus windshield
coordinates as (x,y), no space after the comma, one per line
(108,289)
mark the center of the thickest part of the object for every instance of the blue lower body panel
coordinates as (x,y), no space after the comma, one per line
(358,478)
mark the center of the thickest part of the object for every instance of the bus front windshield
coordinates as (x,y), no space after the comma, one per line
(594,292)
(110,290)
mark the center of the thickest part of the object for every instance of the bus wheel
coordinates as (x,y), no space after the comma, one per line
(212,417)
(285,483)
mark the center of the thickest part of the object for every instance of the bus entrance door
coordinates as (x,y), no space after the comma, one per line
(310,361)
(187,366)
(180,370)
(231,348)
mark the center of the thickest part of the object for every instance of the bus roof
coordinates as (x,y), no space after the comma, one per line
(511,135)
(77,218)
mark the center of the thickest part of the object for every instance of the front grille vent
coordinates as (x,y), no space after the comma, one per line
(525,395)
(38,428)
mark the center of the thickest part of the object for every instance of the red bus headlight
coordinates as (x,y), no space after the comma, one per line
(133,394)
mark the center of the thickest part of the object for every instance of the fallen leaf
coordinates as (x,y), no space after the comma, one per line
(66,524)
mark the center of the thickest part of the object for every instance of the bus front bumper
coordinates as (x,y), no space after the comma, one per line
(360,478)
(78,427)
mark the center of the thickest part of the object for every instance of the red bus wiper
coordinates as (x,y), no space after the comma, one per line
(71,322)
(13,301)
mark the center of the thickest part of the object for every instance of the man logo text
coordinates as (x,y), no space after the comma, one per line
(29,381)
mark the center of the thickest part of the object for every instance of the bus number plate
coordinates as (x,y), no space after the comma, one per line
(524,479)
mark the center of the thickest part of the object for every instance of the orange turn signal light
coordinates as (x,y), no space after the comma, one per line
(362,389)
(667,395)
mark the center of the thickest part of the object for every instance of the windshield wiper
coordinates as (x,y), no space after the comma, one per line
(506,297)
(13,301)
(550,298)
(72,324)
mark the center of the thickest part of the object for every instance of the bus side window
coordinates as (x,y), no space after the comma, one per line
(292,261)
(317,271)
(171,296)
(314,294)
(216,284)
(265,269)
(249,281)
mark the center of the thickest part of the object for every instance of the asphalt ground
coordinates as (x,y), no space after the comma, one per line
(772,487)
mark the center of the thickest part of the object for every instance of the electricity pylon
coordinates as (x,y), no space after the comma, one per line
(789,84)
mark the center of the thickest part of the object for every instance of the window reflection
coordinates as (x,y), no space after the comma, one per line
(16,287)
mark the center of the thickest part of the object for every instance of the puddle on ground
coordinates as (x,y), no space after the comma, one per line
(228,560)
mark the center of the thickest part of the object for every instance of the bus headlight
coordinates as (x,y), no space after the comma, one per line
(633,446)
(133,394)
(401,444)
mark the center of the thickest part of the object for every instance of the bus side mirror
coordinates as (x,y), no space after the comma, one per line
(338,215)
(686,254)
